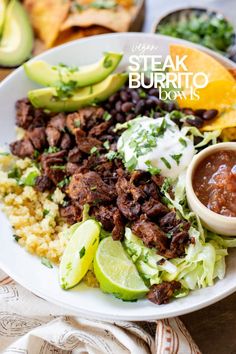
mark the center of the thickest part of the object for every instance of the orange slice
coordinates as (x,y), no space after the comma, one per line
(220,93)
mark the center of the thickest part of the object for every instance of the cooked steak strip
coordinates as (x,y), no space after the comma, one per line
(90,188)
(162,293)
(22,148)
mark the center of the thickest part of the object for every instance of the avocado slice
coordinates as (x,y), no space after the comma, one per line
(3,7)
(17,37)
(47,75)
(47,98)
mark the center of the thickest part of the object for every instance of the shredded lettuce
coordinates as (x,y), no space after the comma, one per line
(204,261)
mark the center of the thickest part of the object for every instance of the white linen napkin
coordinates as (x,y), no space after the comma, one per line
(31,325)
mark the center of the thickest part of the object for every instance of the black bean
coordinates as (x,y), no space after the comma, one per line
(158,115)
(197,140)
(125,96)
(154,92)
(170,106)
(140,107)
(155,101)
(135,96)
(130,117)
(199,112)
(188,111)
(196,122)
(114,98)
(210,114)
(118,106)
(120,118)
(127,107)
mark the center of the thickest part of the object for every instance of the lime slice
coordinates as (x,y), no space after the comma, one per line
(79,253)
(116,273)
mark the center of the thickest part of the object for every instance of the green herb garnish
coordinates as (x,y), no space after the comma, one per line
(131,164)
(168,165)
(45,212)
(16,237)
(183,142)
(46,262)
(106,145)
(82,252)
(153,170)
(106,116)
(94,150)
(177,158)
(77,123)
(213,32)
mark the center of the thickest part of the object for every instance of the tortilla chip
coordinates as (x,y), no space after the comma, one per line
(233,72)
(46,17)
(224,120)
(117,20)
(228,134)
(77,33)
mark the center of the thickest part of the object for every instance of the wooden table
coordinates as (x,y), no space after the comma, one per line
(213,328)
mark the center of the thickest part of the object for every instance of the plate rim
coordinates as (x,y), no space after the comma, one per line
(75,308)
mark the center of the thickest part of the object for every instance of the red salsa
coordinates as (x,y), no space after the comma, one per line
(214,182)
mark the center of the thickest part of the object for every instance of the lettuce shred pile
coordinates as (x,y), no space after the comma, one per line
(204,261)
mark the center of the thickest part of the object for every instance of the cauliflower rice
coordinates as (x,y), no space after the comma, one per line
(33,215)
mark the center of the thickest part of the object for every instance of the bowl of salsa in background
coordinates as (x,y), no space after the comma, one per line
(211,187)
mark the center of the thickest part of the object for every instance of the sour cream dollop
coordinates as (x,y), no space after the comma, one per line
(156,145)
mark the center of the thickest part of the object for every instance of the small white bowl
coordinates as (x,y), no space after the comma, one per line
(223,225)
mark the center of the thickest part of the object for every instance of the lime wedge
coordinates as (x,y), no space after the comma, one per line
(116,273)
(79,253)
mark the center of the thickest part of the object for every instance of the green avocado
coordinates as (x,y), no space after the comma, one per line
(50,98)
(17,36)
(47,75)
(3,7)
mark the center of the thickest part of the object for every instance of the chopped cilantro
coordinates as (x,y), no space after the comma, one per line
(94,150)
(168,165)
(30,179)
(177,158)
(104,4)
(106,145)
(65,89)
(153,170)
(46,262)
(106,116)
(36,154)
(4,154)
(51,150)
(142,94)
(58,167)
(183,142)
(16,237)
(45,212)
(77,123)
(107,63)
(111,155)
(64,182)
(82,252)
(14,173)
(131,164)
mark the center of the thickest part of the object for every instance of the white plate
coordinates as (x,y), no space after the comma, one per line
(27,269)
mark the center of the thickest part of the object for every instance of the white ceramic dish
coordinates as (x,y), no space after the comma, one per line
(27,269)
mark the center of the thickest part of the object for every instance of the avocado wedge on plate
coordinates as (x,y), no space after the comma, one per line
(16,40)
(49,98)
(3,7)
(47,75)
